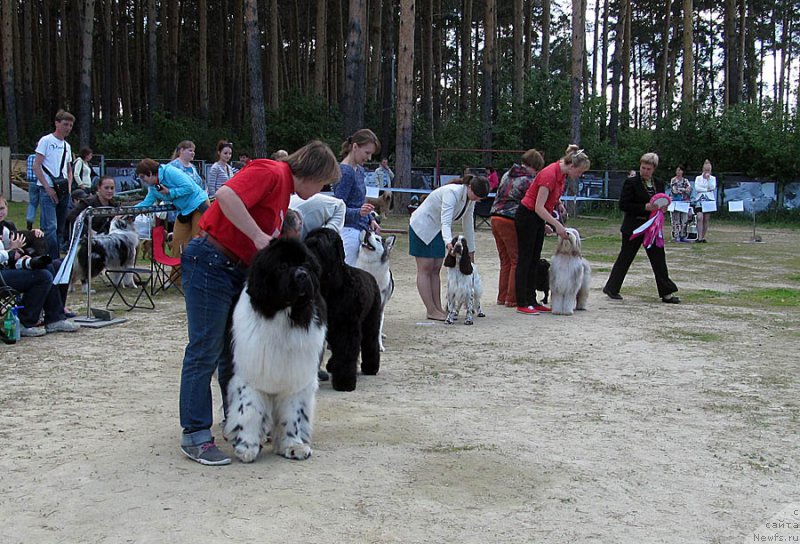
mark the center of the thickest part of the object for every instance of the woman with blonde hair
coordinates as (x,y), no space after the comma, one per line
(351,188)
(182,159)
(705,188)
(534,213)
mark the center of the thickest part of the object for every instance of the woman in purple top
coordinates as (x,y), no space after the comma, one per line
(351,188)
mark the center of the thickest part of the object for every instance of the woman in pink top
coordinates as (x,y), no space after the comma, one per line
(534,212)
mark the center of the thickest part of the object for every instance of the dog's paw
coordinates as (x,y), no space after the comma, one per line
(468,321)
(246,451)
(343,384)
(449,321)
(299,452)
(481,314)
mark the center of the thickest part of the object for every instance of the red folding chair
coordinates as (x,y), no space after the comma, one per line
(161,279)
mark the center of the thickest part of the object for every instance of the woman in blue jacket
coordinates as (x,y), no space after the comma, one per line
(170,184)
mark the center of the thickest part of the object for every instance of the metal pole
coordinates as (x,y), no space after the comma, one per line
(89,214)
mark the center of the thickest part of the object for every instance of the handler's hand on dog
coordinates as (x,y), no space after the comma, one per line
(262,240)
(561,231)
(366,209)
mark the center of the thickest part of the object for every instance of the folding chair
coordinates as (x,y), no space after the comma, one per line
(160,279)
(483,212)
(118,289)
(8,298)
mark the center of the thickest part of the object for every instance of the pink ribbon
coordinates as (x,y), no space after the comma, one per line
(653,228)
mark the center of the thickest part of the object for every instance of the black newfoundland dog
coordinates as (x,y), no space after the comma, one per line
(354,311)
(278,340)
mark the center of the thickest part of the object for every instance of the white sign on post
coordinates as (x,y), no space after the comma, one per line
(709,206)
(736,206)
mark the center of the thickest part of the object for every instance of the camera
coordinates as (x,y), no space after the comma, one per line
(158,187)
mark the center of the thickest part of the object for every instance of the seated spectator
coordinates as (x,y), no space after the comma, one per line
(104,197)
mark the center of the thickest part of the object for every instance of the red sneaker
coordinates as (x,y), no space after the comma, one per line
(540,308)
(527,310)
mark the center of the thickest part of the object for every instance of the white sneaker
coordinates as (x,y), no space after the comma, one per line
(62,326)
(31,331)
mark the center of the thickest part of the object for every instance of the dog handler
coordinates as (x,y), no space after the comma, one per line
(634,200)
(430,225)
(247,214)
(534,212)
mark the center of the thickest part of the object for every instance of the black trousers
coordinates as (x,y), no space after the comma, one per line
(658,262)
(530,238)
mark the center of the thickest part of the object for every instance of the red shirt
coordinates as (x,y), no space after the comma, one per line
(265,187)
(551,177)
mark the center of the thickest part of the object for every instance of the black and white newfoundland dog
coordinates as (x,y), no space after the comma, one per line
(464,286)
(354,311)
(570,275)
(114,250)
(278,337)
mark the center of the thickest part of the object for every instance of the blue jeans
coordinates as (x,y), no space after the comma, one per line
(38,293)
(211,284)
(52,220)
(33,202)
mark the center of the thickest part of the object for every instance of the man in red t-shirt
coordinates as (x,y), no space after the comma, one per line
(247,214)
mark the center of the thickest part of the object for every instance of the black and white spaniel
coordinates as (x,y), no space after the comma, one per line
(279,327)
(463,283)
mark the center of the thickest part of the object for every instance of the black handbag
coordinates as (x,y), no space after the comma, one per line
(60,183)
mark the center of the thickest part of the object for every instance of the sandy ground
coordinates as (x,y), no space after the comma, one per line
(608,426)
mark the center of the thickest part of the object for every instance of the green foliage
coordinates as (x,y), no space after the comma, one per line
(300,119)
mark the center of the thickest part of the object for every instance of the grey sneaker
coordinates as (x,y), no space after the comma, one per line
(206,454)
(62,326)
(31,331)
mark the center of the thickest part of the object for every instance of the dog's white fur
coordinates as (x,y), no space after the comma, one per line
(464,286)
(272,393)
(122,231)
(570,275)
(373,257)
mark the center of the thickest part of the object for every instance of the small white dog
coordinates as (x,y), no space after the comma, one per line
(463,283)
(374,258)
(570,275)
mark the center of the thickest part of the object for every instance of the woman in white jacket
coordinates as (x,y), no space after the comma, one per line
(705,188)
(430,234)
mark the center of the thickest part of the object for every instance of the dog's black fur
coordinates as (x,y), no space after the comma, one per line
(354,311)
(286,275)
(542,279)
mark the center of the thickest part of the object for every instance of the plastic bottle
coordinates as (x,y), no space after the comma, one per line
(10,328)
(17,324)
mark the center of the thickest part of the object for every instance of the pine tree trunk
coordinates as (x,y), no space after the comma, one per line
(321,49)
(174,47)
(576,81)
(604,71)
(437,66)
(595,41)
(546,37)
(275,49)
(405,93)
(202,63)
(152,62)
(236,85)
(109,115)
(687,98)
(257,117)
(625,110)
(426,63)
(354,83)
(616,71)
(664,62)
(731,47)
(85,104)
(528,35)
(388,56)
(466,58)
(9,96)
(490,31)
(27,58)
(374,65)
(519,60)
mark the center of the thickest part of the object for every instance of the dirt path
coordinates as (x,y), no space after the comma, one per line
(518,429)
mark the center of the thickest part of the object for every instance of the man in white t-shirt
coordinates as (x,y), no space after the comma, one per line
(53,161)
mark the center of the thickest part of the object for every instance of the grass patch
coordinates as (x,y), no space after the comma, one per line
(781,297)
(452,448)
(697,336)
